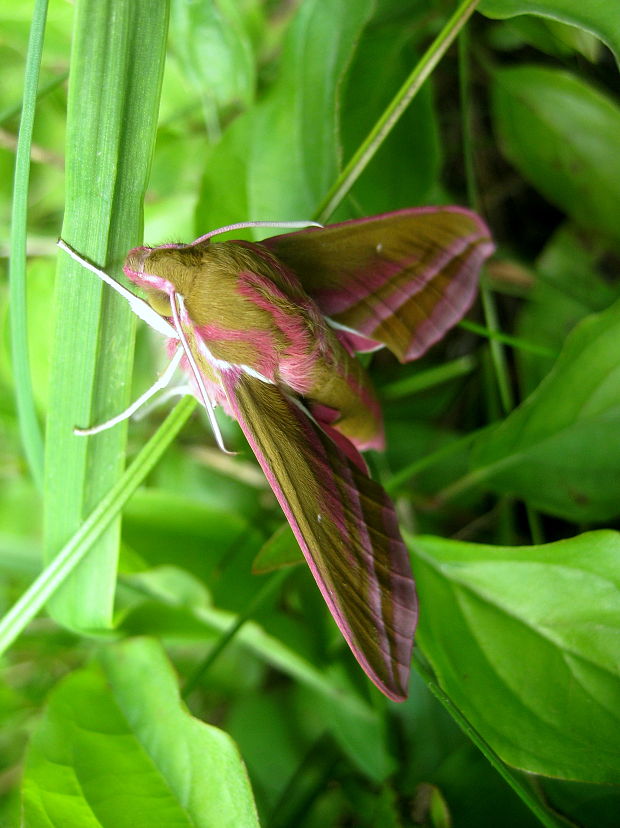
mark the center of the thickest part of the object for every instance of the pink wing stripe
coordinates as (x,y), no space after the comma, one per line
(371,290)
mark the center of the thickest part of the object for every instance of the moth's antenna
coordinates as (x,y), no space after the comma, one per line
(177,303)
(141,308)
(291,225)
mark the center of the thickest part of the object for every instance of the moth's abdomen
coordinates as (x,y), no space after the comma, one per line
(341,384)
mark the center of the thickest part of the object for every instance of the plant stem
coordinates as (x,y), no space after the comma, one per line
(535,524)
(498,354)
(507,339)
(45,89)
(466,120)
(272,585)
(395,109)
(397,480)
(422,380)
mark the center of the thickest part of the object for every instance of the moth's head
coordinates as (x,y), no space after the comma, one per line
(161,270)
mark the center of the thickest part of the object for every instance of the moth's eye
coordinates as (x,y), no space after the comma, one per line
(159,301)
(136,258)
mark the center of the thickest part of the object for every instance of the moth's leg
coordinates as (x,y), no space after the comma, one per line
(177,304)
(161,383)
(169,394)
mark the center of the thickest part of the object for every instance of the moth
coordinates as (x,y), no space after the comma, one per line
(269,331)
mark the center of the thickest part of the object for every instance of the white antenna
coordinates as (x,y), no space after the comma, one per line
(242,225)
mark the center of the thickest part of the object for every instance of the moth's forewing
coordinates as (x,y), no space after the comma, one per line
(344,523)
(401,279)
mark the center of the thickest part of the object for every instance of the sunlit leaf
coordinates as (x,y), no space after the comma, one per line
(116,750)
(525,642)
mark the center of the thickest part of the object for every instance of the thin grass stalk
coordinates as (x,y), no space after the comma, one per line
(29,427)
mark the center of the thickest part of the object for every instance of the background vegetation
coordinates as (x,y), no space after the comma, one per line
(503,458)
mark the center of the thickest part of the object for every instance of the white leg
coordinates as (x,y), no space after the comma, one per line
(161,383)
(176,302)
(169,394)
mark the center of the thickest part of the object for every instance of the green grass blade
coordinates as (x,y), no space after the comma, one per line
(510,776)
(429,378)
(65,562)
(507,339)
(30,430)
(497,351)
(397,106)
(115,80)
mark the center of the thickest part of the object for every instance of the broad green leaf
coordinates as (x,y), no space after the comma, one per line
(567,288)
(278,160)
(223,197)
(116,67)
(407,164)
(525,642)
(211,40)
(549,36)
(559,450)
(562,135)
(281,549)
(595,16)
(295,137)
(116,748)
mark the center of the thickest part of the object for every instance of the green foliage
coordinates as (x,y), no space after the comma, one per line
(104,755)
(559,132)
(553,609)
(557,449)
(591,17)
(111,119)
(293,129)
(513,705)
